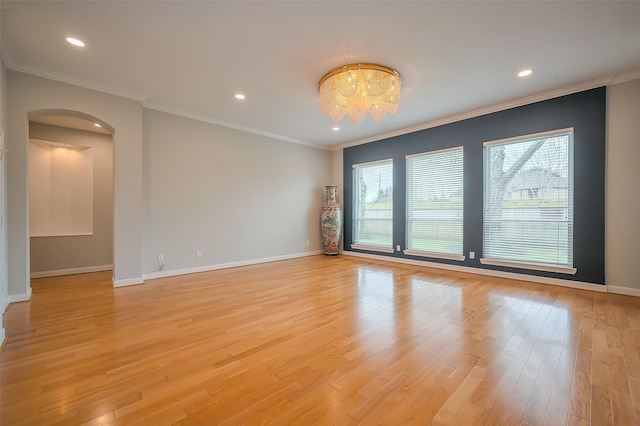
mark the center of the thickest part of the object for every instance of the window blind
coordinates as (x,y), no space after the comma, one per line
(373,205)
(528,201)
(435,195)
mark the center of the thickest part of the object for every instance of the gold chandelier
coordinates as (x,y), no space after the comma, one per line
(356,89)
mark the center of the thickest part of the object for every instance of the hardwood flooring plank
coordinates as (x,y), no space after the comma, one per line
(454,404)
(319,340)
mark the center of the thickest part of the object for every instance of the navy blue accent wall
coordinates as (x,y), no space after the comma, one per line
(584,111)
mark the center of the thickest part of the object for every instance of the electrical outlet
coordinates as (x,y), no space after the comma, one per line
(472,255)
(398,247)
(160,257)
(198,254)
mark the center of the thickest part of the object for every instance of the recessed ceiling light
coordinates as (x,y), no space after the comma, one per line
(75,41)
(240,96)
(97,125)
(525,72)
(335,129)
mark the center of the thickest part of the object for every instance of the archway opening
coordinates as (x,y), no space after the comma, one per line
(71,209)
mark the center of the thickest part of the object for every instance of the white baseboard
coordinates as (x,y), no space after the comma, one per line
(490,272)
(627,291)
(72,271)
(128,282)
(23,297)
(173,272)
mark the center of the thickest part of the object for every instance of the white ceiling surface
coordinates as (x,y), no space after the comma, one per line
(191,57)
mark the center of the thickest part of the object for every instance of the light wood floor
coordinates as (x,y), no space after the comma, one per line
(319,340)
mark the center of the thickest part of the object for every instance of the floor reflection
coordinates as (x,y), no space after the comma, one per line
(376,307)
(418,319)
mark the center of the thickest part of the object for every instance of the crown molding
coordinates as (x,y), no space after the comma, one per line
(6,57)
(623,78)
(141,98)
(211,120)
(71,81)
(605,81)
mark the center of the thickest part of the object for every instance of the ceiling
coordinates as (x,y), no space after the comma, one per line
(455,58)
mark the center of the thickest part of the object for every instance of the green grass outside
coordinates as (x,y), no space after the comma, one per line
(438,246)
(376,240)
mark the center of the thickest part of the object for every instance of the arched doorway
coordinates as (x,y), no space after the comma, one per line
(70,159)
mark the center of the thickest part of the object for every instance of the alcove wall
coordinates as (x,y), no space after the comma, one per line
(73,234)
(60,189)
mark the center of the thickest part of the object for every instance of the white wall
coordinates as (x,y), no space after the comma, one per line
(240,197)
(60,189)
(336,171)
(622,222)
(235,196)
(55,255)
(336,179)
(26,94)
(4,296)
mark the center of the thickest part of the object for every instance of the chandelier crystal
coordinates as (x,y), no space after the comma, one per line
(356,89)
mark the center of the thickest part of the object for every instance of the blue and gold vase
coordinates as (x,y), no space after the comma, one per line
(331,222)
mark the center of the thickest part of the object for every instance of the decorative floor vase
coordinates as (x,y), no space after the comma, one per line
(331,222)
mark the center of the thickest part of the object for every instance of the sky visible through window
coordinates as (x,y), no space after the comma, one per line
(377,178)
(552,156)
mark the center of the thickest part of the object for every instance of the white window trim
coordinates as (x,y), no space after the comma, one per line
(434,255)
(531,266)
(370,163)
(421,253)
(381,249)
(438,151)
(524,138)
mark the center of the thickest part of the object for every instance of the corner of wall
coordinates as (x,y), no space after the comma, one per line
(622,202)
(28,93)
(4,283)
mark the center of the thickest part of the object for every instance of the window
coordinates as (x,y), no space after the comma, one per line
(435,204)
(373,206)
(528,202)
